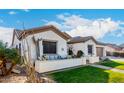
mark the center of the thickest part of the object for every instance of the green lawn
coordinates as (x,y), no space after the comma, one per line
(87,74)
(114,63)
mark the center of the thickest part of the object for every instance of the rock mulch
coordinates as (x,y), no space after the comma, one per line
(13,78)
(21,77)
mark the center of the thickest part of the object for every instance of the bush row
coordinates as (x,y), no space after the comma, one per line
(115,54)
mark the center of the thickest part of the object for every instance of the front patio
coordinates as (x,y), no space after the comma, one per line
(42,66)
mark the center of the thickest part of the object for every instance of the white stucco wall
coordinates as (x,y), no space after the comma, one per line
(16,42)
(47,35)
(93,59)
(50,35)
(83,46)
(51,65)
(23,47)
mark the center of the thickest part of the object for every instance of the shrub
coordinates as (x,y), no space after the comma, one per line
(8,56)
(80,54)
(116,54)
(12,54)
(121,54)
(106,60)
(108,53)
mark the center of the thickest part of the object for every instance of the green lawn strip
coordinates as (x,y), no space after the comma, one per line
(87,74)
(115,77)
(114,64)
(117,60)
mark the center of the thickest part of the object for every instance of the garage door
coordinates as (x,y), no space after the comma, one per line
(99,51)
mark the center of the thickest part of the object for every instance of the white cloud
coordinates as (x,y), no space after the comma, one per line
(118,33)
(76,25)
(26,10)
(12,13)
(6,34)
(61,16)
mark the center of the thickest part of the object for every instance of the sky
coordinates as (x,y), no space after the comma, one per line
(104,25)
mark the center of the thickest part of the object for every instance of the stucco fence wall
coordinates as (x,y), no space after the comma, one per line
(51,65)
(93,59)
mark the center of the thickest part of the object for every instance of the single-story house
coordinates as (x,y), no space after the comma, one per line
(46,40)
(49,42)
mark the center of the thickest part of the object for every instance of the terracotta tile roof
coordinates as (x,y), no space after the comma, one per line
(24,33)
(101,43)
(114,46)
(67,35)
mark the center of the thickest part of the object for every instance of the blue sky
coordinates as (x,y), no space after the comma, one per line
(104,25)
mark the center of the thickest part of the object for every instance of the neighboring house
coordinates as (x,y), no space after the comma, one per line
(46,40)
(86,44)
(122,47)
(114,50)
(111,48)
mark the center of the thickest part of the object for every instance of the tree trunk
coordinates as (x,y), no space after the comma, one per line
(3,67)
(10,69)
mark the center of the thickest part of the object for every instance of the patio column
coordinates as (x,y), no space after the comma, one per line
(104,51)
(40,48)
(94,50)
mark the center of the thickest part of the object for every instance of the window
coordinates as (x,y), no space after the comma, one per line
(49,47)
(19,48)
(16,46)
(90,49)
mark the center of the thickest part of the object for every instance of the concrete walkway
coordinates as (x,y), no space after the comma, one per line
(107,68)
